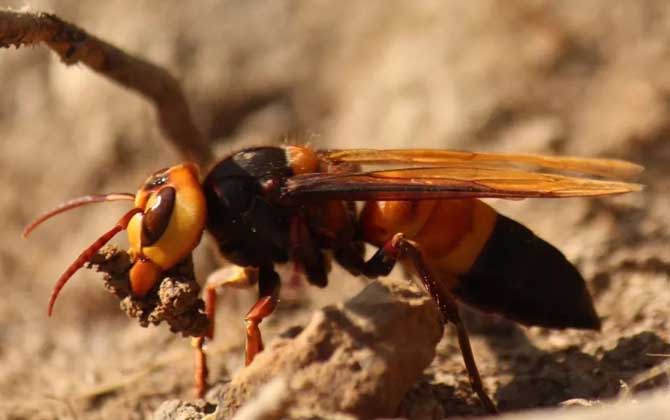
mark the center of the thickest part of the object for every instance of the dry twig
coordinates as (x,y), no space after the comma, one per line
(74,45)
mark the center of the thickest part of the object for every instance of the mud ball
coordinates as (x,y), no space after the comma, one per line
(175,299)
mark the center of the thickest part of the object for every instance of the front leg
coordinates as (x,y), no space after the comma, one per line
(231,276)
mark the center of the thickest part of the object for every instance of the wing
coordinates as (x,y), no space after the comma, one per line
(458,175)
(429,157)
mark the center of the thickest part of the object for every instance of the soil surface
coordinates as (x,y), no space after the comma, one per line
(523,76)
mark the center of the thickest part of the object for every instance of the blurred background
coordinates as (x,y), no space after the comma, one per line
(578,78)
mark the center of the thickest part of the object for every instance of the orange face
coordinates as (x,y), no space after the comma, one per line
(170,225)
(165,225)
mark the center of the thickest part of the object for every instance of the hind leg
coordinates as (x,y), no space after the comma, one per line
(449,308)
(381,264)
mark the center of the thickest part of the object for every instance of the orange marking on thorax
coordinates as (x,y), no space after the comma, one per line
(302,159)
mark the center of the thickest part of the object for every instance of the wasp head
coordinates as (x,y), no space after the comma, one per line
(164,226)
(170,224)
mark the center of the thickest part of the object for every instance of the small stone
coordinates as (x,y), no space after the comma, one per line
(358,358)
(180,410)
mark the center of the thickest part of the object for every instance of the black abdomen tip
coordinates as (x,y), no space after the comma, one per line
(526,279)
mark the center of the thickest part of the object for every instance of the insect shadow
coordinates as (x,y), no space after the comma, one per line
(546,378)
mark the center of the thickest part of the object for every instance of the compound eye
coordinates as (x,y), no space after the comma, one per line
(157,217)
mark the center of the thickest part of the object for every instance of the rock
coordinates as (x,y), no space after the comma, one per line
(357,359)
(270,402)
(180,410)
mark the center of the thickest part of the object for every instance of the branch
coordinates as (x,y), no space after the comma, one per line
(74,45)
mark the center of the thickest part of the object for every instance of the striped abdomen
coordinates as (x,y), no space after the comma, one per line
(488,260)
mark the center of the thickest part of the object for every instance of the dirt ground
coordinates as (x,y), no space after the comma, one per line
(588,78)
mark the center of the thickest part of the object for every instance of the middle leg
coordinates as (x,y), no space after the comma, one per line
(268,296)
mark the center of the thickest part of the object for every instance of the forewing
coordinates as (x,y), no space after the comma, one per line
(433,157)
(455,181)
